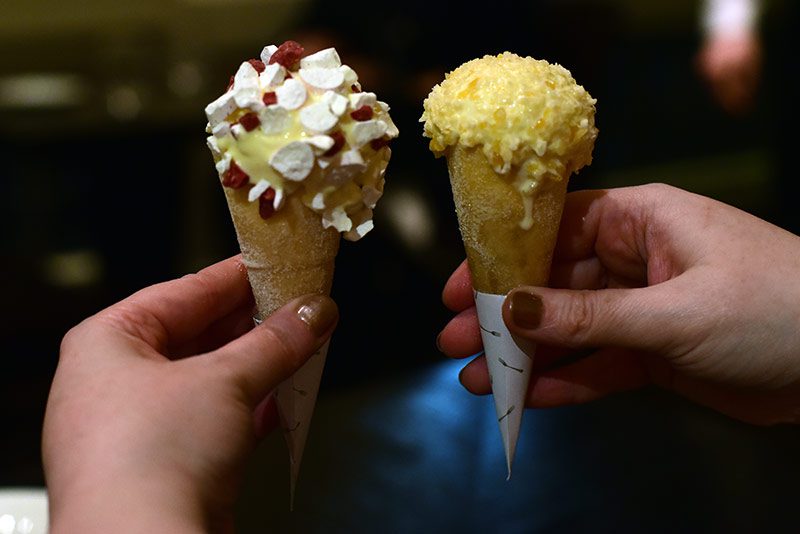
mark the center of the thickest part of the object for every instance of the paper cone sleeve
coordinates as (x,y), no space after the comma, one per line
(501,256)
(287,255)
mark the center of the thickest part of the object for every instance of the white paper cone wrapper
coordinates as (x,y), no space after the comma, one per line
(295,399)
(509,370)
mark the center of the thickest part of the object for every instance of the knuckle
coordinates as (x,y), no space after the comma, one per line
(578,318)
(285,354)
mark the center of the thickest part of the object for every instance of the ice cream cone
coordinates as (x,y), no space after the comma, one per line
(501,256)
(513,130)
(287,256)
(301,152)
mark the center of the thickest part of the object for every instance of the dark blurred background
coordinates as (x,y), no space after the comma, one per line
(106,186)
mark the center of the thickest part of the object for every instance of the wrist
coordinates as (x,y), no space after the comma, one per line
(125,504)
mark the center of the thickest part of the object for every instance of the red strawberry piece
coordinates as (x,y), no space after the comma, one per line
(355,88)
(265,203)
(379,143)
(235,177)
(269,98)
(338,143)
(230,85)
(257,64)
(287,54)
(250,121)
(364,113)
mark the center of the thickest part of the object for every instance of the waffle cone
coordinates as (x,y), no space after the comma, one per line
(502,255)
(288,255)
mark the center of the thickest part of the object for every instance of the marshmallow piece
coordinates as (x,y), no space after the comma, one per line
(274,119)
(223,164)
(352,157)
(350,76)
(257,189)
(267,52)
(293,161)
(322,78)
(292,94)
(337,102)
(370,196)
(319,143)
(245,86)
(237,130)
(218,110)
(364,228)
(391,129)
(324,59)
(211,141)
(272,75)
(358,100)
(318,117)
(221,130)
(338,219)
(318,202)
(365,131)
(278,201)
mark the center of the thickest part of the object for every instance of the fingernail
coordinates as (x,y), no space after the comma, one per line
(318,312)
(439,342)
(526,309)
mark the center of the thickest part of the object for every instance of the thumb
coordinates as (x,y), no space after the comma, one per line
(272,351)
(642,318)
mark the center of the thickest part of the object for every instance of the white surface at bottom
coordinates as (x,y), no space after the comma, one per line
(23,511)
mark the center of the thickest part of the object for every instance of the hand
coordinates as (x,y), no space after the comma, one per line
(731,65)
(158,400)
(657,285)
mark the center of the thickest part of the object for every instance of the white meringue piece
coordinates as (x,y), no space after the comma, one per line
(338,219)
(318,117)
(359,100)
(325,59)
(257,190)
(267,52)
(211,142)
(292,94)
(274,119)
(245,86)
(318,202)
(218,110)
(293,161)
(321,78)
(365,131)
(319,143)
(337,102)
(221,130)
(273,75)
(350,76)
(223,164)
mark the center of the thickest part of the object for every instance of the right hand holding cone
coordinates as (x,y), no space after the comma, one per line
(644,298)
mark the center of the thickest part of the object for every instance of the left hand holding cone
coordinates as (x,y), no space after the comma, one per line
(158,400)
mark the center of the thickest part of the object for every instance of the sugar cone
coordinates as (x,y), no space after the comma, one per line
(287,256)
(502,255)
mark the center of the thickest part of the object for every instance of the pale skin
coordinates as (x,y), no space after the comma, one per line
(731,66)
(158,400)
(655,285)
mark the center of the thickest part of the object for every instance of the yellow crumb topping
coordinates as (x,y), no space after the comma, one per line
(529,116)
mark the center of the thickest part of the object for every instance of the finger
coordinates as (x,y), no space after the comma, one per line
(475,376)
(605,372)
(457,294)
(461,337)
(271,352)
(650,319)
(176,311)
(222,331)
(580,224)
(587,273)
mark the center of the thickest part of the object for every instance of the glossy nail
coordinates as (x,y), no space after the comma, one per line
(318,312)
(526,310)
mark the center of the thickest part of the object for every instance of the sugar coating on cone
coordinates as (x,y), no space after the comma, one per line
(301,152)
(513,130)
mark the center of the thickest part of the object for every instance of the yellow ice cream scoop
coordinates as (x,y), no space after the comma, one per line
(529,117)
